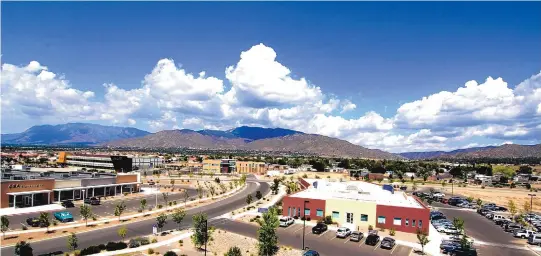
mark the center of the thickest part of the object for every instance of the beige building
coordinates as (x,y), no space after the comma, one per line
(251,167)
(211,165)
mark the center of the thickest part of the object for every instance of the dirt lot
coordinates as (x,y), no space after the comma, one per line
(499,196)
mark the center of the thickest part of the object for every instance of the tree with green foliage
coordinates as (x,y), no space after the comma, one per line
(258,195)
(122,232)
(249,199)
(243,179)
(524,169)
(119,209)
(45,220)
(143,204)
(201,233)
(86,212)
(233,251)
(165,196)
(4,225)
(186,197)
(200,192)
(506,171)
(161,220)
(266,235)
(276,186)
(459,225)
(479,202)
(178,216)
(512,208)
(422,237)
(72,242)
(22,248)
(170,253)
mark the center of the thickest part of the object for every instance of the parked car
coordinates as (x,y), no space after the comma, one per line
(151,183)
(500,209)
(92,201)
(438,194)
(67,204)
(286,221)
(489,215)
(310,253)
(319,228)
(463,252)
(502,222)
(498,217)
(524,233)
(372,238)
(450,247)
(387,243)
(356,236)
(437,217)
(512,227)
(454,201)
(535,239)
(34,222)
(63,216)
(343,232)
(483,211)
(447,229)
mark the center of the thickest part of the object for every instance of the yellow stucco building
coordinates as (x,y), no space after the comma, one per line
(251,167)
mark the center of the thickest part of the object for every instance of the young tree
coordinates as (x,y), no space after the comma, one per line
(186,197)
(143,204)
(512,208)
(161,220)
(236,183)
(414,186)
(258,195)
(233,251)
(526,207)
(423,239)
(465,243)
(86,212)
(266,235)
(4,225)
(230,185)
(276,186)
(200,192)
(22,248)
(459,225)
(165,196)
(178,216)
(479,202)
(44,219)
(212,190)
(119,209)
(443,184)
(243,179)
(201,233)
(122,232)
(72,242)
(249,199)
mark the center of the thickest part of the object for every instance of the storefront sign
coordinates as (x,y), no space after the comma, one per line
(25,186)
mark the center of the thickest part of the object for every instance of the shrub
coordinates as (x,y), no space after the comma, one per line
(160,206)
(180,243)
(305,176)
(170,253)
(76,253)
(112,246)
(175,202)
(382,229)
(370,227)
(91,250)
(513,185)
(150,251)
(126,193)
(308,218)
(139,210)
(328,220)
(153,240)
(55,222)
(392,232)
(528,186)
(296,217)
(133,243)
(143,240)
(24,227)
(94,218)
(483,187)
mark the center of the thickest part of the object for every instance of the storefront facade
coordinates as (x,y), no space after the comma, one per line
(27,193)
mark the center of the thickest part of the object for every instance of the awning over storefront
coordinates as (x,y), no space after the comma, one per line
(64,189)
(28,192)
(97,186)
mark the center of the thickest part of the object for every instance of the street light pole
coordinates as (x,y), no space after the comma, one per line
(531,201)
(304,222)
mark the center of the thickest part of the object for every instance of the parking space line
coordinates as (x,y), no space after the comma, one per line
(298,230)
(346,240)
(377,245)
(289,226)
(324,232)
(394,248)
(411,250)
(334,237)
(361,242)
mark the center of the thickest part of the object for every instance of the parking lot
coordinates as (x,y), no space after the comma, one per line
(326,243)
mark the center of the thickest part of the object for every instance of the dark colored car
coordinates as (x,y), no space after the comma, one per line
(92,201)
(502,223)
(356,236)
(151,183)
(512,227)
(372,238)
(67,204)
(464,252)
(319,228)
(500,209)
(387,243)
(34,222)
(438,217)
(310,253)
(454,201)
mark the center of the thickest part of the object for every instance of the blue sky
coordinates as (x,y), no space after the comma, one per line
(375,55)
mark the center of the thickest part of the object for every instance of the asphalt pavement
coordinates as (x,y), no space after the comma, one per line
(326,244)
(107,207)
(142,228)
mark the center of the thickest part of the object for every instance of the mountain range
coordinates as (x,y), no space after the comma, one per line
(240,138)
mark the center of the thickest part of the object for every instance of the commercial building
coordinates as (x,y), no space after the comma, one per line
(219,165)
(228,166)
(358,205)
(107,162)
(40,188)
(251,167)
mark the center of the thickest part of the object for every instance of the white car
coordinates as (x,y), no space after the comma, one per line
(448,230)
(343,232)
(524,233)
(286,221)
(438,194)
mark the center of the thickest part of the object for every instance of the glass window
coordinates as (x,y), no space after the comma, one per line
(349,217)
(335,215)
(420,223)
(413,223)
(288,211)
(299,211)
(397,221)
(407,222)
(381,219)
(306,212)
(364,217)
(319,213)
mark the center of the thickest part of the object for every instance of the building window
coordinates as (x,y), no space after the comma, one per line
(306,212)
(288,211)
(349,217)
(397,222)
(299,211)
(420,223)
(294,211)
(407,222)
(335,215)
(381,219)
(364,217)
(413,223)
(319,213)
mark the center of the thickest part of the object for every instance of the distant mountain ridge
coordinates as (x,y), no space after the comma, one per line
(503,151)
(71,133)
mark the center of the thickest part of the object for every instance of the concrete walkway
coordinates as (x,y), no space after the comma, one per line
(36,209)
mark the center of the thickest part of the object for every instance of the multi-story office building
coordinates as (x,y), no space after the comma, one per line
(211,165)
(251,167)
(107,162)
(228,166)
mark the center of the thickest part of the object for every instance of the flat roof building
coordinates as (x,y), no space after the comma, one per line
(358,205)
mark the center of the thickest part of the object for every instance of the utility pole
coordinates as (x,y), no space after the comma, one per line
(304,222)
(531,202)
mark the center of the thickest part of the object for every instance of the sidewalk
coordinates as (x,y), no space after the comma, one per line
(35,209)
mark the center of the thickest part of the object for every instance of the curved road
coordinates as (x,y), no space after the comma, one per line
(141,228)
